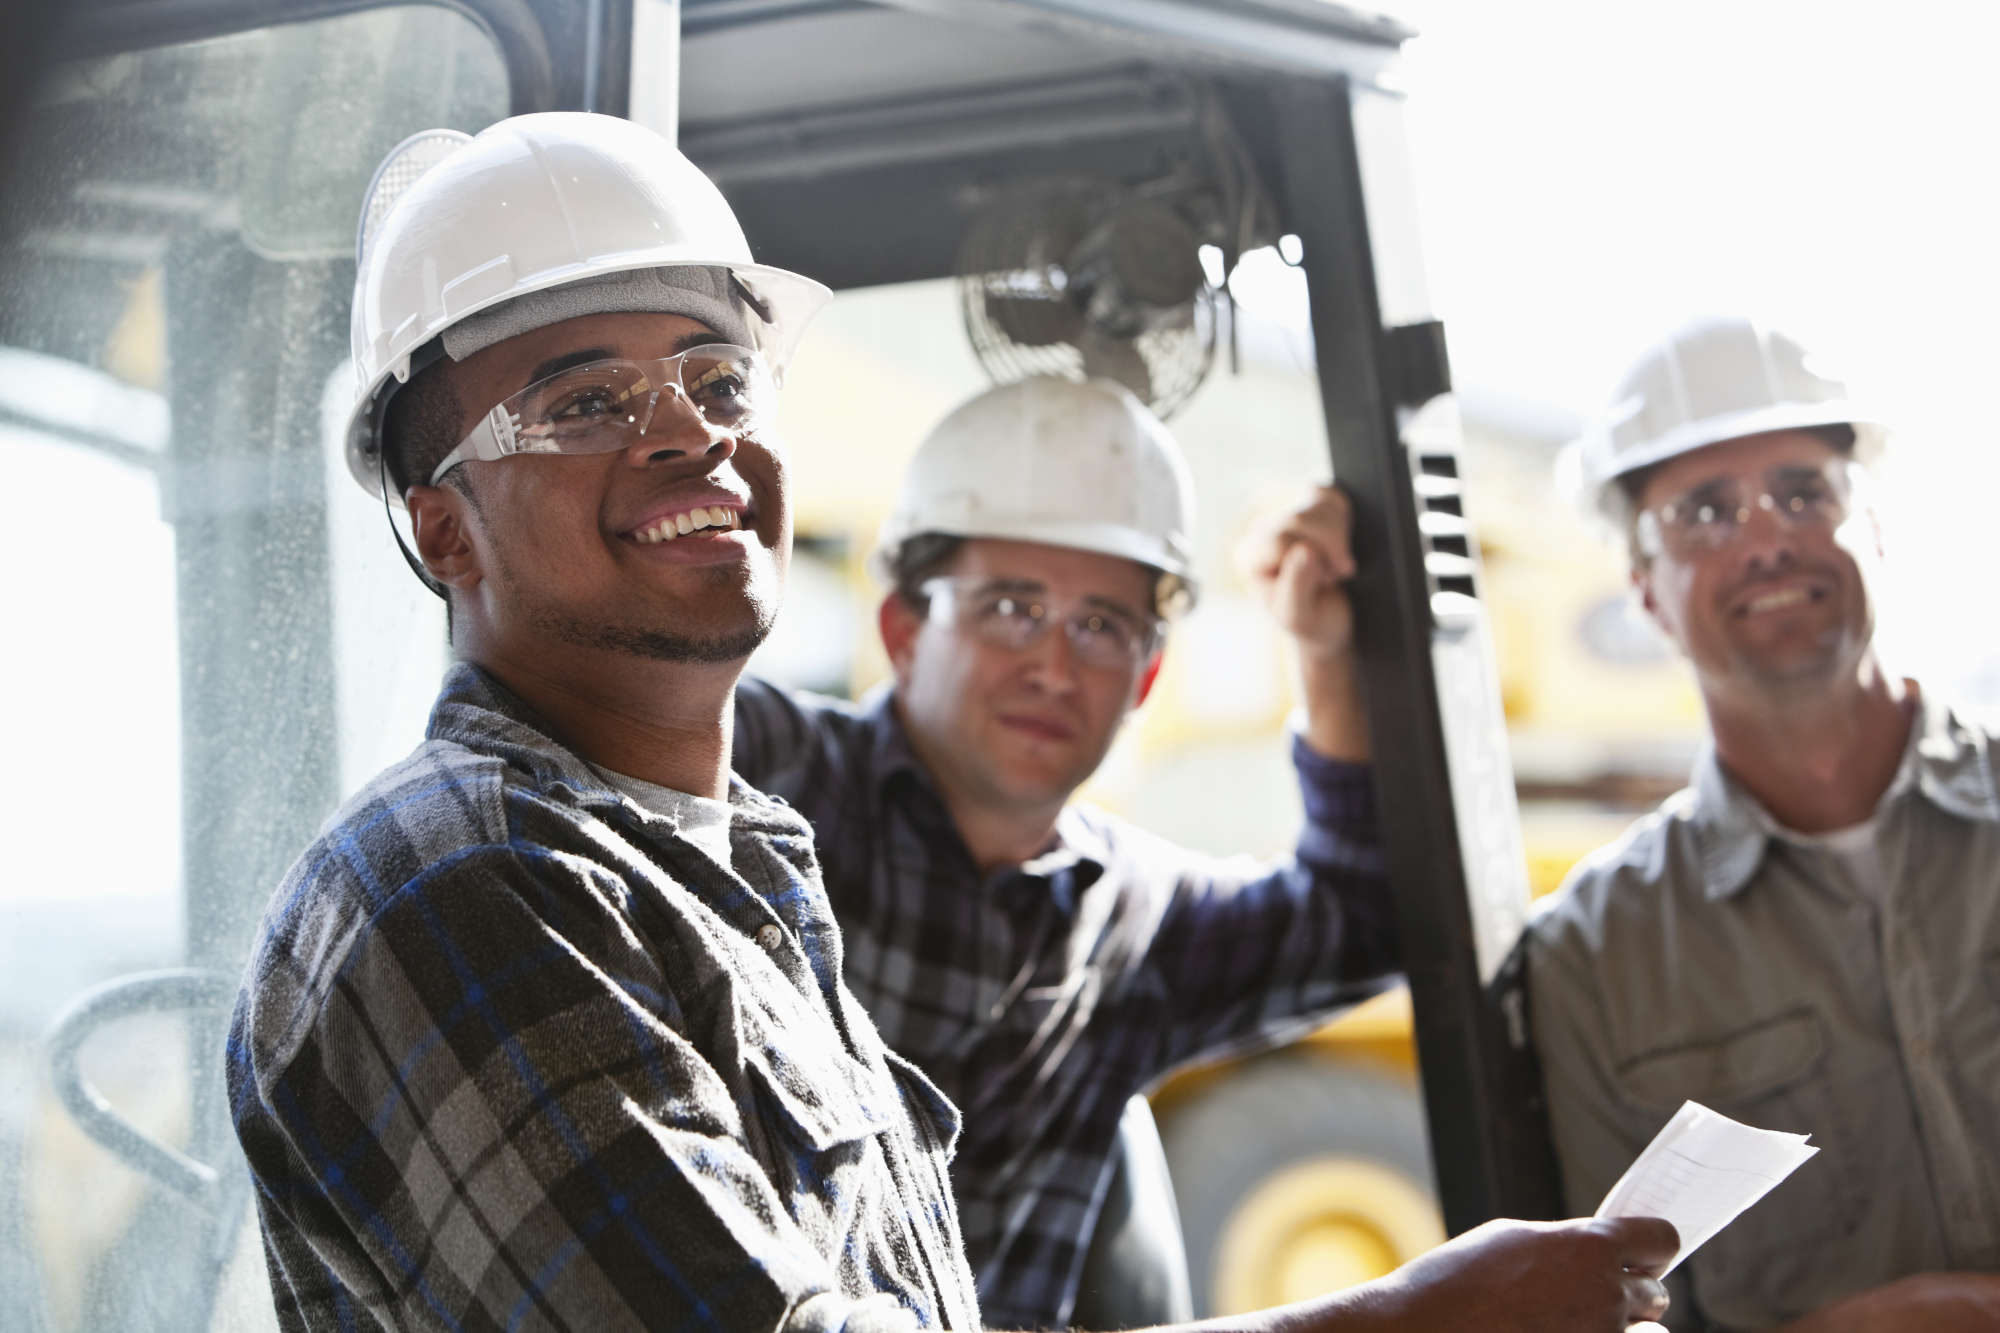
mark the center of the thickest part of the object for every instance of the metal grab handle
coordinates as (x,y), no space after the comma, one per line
(141,992)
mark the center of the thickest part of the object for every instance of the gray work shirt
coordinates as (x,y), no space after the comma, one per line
(1708,955)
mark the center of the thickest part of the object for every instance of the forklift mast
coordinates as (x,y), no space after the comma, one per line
(850,136)
(877,166)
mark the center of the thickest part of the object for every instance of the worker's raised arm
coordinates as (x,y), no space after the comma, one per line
(1299,561)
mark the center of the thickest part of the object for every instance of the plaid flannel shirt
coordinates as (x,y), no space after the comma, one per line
(1041,998)
(511,1053)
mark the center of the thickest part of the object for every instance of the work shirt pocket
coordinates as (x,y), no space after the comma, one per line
(1770,1074)
(820,1096)
(821,1120)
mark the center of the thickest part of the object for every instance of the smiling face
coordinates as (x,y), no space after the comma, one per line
(1007,729)
(1784,606)
(549,551)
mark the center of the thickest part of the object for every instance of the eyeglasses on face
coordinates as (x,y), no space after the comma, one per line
(603,406)
(1014,615)
(1715,514)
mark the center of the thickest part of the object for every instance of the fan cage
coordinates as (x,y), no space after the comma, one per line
(1013,251)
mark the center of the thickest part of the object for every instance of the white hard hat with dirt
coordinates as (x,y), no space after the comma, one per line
(1081,465)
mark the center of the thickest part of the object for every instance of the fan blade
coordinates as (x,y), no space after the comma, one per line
(1116,359)
(1033,319)
(1155,255)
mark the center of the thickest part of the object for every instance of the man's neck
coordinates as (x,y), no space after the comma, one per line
(667,723)
(1001,839)
(1819,760)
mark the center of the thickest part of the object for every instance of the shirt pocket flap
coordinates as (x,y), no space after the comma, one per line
(1740,1067)
(925,1099)
(826,1096)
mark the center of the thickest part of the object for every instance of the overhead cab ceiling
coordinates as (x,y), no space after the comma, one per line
(853,137)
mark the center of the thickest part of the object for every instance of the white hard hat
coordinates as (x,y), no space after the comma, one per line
(1082,465)
(1713,379)
(560,203)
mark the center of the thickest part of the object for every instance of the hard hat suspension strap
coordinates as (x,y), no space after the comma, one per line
(409,557)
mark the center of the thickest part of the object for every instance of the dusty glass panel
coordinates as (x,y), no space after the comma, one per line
(212,641)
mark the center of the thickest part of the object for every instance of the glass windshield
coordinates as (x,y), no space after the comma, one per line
(197,588)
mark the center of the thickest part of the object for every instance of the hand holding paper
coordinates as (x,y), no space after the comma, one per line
(1701,1171)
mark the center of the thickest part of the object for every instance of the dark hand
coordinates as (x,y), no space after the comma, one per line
(1536,1277)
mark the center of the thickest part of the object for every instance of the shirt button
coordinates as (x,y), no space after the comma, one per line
(770,936)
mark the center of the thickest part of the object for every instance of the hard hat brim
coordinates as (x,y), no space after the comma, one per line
(1098,539)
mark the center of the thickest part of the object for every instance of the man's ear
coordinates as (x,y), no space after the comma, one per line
(1148,676)
(899,623)
(1641,578)
(439,516)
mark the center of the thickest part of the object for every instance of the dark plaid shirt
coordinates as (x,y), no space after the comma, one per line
(511,1053)
(1041,998)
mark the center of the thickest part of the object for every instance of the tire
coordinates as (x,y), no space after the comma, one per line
(1296,1174)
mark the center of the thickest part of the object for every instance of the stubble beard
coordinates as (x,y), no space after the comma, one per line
(1832,656)
(649,643)
(653,643)
(656,645)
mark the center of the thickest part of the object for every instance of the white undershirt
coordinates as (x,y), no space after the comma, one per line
(1858,847)
(703,822)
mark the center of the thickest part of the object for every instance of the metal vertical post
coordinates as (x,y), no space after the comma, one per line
(1487,1136)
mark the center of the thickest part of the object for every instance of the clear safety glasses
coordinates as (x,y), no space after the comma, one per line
(603,406)
(1715,513)
(1015,614)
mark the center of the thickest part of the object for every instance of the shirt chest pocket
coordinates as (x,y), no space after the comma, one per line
(807,1088)
(1770,1074)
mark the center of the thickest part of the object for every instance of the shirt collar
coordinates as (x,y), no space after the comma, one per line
(888,744)
(475,710)
(1073,861)
(1946,761)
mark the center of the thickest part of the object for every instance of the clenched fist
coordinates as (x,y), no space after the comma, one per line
(1299,562)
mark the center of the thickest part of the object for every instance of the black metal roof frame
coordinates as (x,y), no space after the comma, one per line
(848,133)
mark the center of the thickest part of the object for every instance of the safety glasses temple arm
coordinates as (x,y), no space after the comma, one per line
(494,437)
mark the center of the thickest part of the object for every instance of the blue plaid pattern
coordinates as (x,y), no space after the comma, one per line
(511,1055)
(1041,998)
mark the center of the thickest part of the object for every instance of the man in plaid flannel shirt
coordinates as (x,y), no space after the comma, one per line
(1042,961)
(547,1029)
